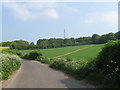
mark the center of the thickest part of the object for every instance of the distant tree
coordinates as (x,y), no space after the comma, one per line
(32,45)
(5,44)
(95,38)
(107,37)
(83,40)
(111,36)
(117,35)
(60,42)
(19,44)
(42,43)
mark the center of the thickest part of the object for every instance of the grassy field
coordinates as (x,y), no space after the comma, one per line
(76,52)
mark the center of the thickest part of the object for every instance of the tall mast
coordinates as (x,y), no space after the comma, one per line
(64,33)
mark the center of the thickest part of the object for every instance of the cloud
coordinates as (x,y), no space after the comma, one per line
(38,10)
(110,18)
(89,21)
(28,11)
(52,14)
(67,8)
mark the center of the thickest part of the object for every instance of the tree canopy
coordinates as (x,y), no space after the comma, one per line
(59,42)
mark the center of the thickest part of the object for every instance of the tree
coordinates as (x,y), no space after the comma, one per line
(117,35)
(107,37)
(19,44)
(42,43)
(83,40)
(32,45)
(95,38)
(5,44)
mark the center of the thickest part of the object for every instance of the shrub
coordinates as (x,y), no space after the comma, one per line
(58,63)
(32,55)
(9,64)
(107,64)
(43,59)
(108,61)
(78,68)
(12,51)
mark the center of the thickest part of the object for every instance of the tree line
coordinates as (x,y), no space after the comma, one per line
(59,42)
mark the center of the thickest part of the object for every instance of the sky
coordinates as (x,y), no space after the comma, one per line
(37,20)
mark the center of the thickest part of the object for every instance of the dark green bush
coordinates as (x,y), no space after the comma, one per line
(32,55)
(108,61)
(107,64)
(43,59)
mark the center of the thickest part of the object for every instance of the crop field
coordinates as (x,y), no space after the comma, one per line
(2,48)
(76,52)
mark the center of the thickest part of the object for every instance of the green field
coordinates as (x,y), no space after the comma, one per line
(84,53)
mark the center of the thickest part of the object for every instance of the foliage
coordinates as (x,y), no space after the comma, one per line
(12,51)
(78,68)
(43,59)
(59,42)
(117,35)
(19,44)
(32,55)
(9,64)
(84,53)
(107,37)
(95,39)
(5,44)
(103,70)
(108,61)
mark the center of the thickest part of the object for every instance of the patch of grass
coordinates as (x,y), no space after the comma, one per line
(86,53)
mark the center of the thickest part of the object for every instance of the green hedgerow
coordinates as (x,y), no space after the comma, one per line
(9,63)
(108,61)
(43,59)
(12,51)
(107,64)
(32,55)
(78,68)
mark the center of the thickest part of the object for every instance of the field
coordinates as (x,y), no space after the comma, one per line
(2,48)
(76,52)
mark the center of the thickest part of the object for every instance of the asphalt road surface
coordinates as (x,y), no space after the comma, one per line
(36,75)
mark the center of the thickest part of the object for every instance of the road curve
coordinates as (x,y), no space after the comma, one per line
(36,75)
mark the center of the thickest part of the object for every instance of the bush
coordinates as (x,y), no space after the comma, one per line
(58,63)
(77,68)
(12,51)
(32,55)
(44,59)
(9,63)
(107,64)
(108,61)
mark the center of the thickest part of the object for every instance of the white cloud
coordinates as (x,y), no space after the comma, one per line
(37,10)
(67,8)
(52,14)
(28,11)
(110,18)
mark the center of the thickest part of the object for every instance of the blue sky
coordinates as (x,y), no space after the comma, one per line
(32,21)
